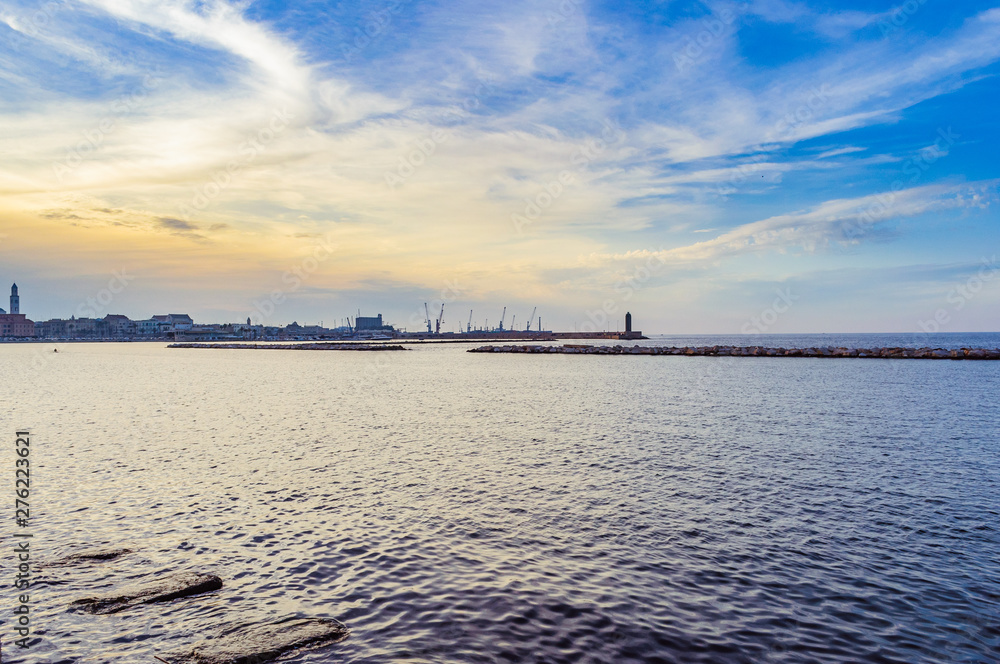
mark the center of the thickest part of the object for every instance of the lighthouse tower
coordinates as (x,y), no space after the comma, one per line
(15,301)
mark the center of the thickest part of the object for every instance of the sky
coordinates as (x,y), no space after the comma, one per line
(768,166)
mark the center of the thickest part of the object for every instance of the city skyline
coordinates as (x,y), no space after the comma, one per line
(89,311)
(121,327)
(297,163)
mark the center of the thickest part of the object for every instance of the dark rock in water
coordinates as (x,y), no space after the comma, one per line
(89,556)
(163,589)
(50,575)
(96,555)
(264,643)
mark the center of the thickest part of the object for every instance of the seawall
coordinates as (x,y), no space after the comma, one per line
(757,351)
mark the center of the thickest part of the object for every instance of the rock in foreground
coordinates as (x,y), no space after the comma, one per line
(264,643)
(162,589)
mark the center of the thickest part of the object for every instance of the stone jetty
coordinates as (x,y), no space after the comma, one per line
(263,642)
(163,589)
(309,346)
(756,351)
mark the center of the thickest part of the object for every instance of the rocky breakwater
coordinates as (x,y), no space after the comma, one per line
(310,346)
(757,351)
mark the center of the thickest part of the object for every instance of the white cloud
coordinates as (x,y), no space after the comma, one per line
(841,221)
(849,149)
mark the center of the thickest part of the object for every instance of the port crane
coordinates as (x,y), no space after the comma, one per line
(513,322)
(428,317)
(502,316)
(437,328)
(468,328)
(528,328)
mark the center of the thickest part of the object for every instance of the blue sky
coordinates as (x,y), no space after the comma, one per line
(687,161)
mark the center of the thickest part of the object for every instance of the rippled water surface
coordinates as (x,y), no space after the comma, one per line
(456,507)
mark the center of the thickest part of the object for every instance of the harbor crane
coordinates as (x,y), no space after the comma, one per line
(502,316)
(428,312)
(513,322)
(437,328)
(468,328)
(528,328)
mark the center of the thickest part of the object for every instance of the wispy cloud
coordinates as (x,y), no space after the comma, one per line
(836,222)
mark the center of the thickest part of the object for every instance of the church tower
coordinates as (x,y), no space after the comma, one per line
(15,301)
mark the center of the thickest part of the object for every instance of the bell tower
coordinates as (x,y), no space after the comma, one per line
(15,301)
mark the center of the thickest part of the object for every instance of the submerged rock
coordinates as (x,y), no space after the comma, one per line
(162,589)
(265,642)
(96,555)
(89,556)
(50,573)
